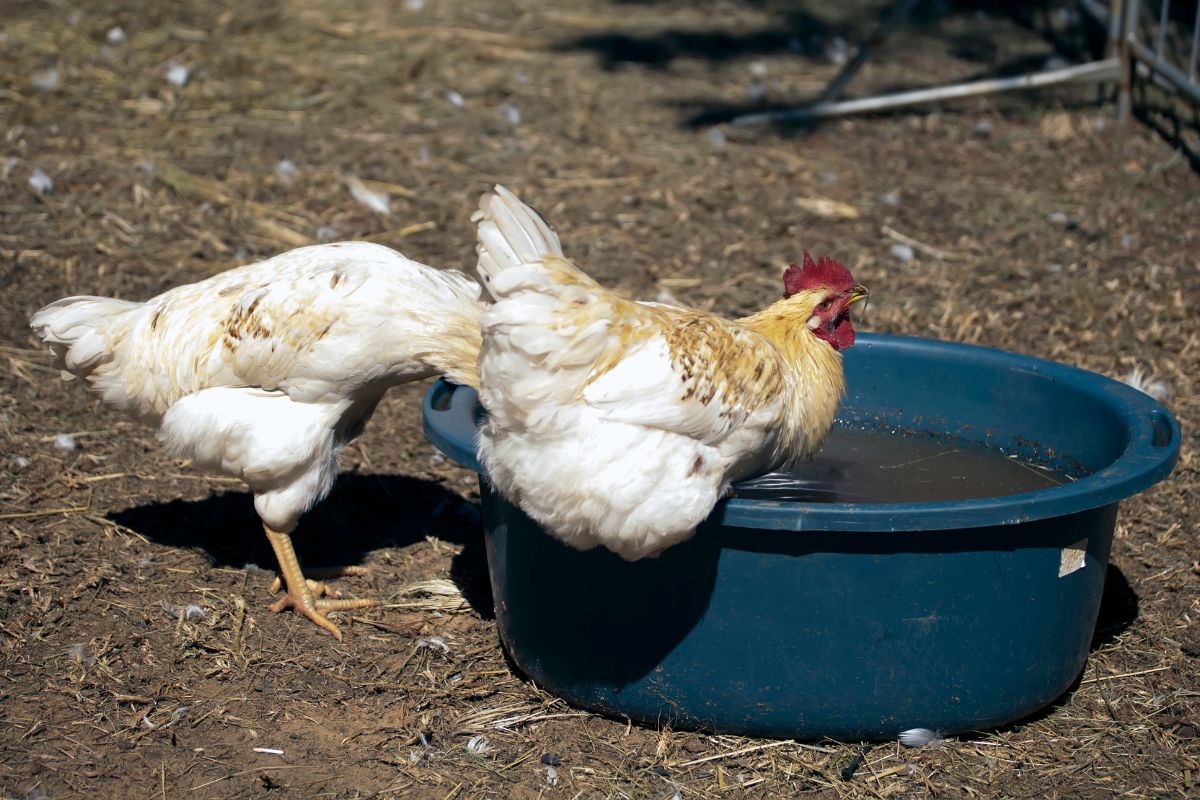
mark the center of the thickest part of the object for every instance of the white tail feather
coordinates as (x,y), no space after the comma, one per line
(74,329)
(510,234)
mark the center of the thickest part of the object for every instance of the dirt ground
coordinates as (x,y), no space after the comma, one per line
(1035,223)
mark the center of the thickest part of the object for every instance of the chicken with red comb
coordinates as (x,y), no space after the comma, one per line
(621,424)
(831,319)
(822,272)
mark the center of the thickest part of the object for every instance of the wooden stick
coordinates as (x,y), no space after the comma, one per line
(899,769)
(1124,675)
(752,749)
(48,512)
(927,249)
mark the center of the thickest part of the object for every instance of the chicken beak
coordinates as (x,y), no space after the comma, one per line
(859,292)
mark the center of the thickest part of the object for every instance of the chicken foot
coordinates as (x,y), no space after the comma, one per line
(300,594)
(316,576)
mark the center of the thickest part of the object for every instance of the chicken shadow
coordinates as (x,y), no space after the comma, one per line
(363,513)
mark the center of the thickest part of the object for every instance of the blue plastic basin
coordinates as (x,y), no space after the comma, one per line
(841,620)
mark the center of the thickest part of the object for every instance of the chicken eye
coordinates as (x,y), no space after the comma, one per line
(824,305)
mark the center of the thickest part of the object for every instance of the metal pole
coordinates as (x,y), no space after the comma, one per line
(1113,50)
(1195,47)
(1163,17)
(1125,77)
(1166,70)
(1105,70)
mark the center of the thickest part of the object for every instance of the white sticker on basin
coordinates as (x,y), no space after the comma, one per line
(1073,558)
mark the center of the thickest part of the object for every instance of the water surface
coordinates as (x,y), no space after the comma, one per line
(877,466)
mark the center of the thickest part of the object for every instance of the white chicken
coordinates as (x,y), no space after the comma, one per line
(621,424)
(266,371)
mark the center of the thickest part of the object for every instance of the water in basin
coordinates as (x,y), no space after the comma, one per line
(884,466)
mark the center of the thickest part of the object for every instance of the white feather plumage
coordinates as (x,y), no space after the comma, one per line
(599,428)
(265,371)
(535,430)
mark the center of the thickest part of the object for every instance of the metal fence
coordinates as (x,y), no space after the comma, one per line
(1150,40)
(1154,41)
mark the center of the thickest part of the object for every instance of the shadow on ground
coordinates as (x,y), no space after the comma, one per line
(1118,609)
(363,513)
(797,32)
(969,30)
(1172,119)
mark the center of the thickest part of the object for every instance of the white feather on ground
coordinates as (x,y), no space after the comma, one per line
(378,202)
(177,75)
(1144,381)
(920,737)
(40,182)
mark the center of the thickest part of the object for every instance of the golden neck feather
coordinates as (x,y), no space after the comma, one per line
(817,381)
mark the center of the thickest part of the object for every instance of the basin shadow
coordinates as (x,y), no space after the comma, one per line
(363,513)
(1118,609)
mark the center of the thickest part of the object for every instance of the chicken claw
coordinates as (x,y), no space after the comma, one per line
(304,596)
(313,608)
(316,584)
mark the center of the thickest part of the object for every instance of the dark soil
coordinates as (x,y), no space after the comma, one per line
(1036,222)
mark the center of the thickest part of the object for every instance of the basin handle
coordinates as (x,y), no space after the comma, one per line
(450,417)
(1165,428)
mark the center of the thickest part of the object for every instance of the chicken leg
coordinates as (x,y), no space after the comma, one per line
(316,579)
(300,596)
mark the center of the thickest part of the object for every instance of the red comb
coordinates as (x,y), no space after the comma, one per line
(822,272)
